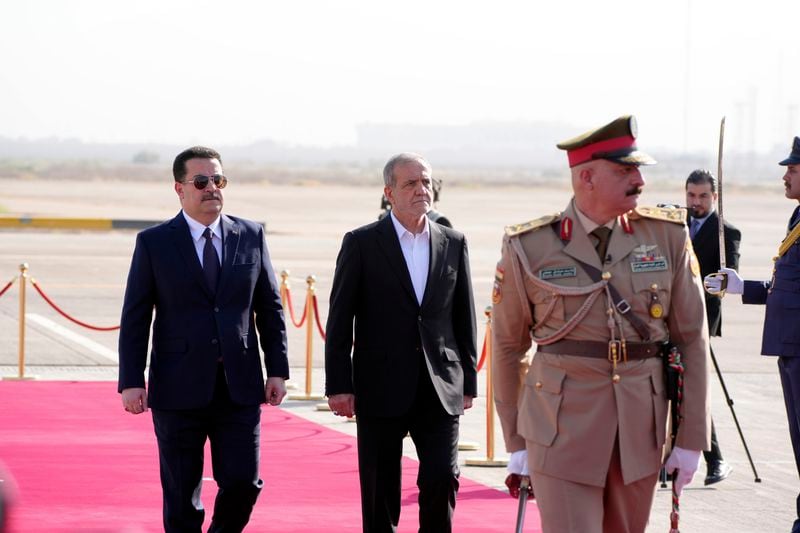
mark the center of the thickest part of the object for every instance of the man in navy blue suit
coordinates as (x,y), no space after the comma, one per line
(209,279)
(781,295)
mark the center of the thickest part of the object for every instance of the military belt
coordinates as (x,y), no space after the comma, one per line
(600,350)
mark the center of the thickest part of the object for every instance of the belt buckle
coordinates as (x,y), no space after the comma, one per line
(615,349)
(623,307)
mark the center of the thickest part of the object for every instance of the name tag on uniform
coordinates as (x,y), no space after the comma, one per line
(649,266)
(558,272)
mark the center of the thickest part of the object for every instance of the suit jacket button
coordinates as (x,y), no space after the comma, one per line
(216,309)
(419,318)
(539,385)
(214,341)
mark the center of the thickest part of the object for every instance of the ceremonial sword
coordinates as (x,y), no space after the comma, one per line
(720,275)
(723,286)
(719,197)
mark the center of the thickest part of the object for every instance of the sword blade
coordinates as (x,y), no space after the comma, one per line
(719,195)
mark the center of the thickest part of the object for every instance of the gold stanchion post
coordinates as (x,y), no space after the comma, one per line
(284,289)
(489,460)
(23,277)
(309,342)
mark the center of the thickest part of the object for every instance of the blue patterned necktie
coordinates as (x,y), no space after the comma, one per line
(693,227)
(210,261)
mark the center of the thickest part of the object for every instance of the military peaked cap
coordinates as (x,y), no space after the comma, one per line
(616,141)
(794,157)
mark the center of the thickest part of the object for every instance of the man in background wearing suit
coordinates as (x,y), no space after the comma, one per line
(701,196)
(402,305)
(209,279)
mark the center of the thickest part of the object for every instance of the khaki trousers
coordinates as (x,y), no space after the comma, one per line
(569,507)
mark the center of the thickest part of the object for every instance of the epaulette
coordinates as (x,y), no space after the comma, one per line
(517,229)
(676,215)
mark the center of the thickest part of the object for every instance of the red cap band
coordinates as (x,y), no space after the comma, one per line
(585,153)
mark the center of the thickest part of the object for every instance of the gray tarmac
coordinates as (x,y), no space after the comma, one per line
(84,273)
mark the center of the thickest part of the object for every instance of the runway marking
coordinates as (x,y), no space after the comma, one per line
(97,348)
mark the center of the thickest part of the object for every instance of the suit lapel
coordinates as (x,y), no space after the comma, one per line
(231,234)
(182,237)
(439,242)
(707,232)
(390,246)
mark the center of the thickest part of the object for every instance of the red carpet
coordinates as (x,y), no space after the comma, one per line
(83,465)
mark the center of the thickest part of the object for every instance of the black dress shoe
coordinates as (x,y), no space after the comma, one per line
(716,472)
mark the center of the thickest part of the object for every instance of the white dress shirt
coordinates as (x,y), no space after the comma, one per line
(417,253)
(197,229)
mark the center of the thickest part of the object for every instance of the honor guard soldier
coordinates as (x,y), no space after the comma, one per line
(781,295)
(599,287)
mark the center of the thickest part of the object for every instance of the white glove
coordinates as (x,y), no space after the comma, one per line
(686,463)
(518,463)
(713,282)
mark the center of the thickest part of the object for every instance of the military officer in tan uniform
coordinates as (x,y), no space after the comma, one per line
(598,288)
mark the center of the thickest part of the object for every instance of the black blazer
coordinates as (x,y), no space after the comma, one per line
(706,247)
(193,327)
(374,315)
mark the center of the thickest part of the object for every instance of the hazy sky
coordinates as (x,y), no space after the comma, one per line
(308,72)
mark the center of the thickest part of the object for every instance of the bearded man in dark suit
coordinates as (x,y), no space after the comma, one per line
(400,350)
(701,196)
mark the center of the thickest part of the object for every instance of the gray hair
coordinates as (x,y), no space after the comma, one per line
(399,159)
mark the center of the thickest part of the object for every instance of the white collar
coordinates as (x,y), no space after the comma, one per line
(401,230)
(197,229)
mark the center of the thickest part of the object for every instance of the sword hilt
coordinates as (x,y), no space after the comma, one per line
(723,285)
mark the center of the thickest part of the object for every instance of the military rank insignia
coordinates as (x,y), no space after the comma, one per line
(646,258)
(497,288)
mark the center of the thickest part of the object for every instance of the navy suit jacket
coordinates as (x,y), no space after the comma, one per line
(706,247)
(782,296)
(374,315)
(194,327)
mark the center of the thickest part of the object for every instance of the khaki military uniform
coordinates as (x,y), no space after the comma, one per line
(577,415)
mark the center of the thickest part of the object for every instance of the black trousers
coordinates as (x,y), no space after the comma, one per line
(789,371)
(380,449)
(234,433)
(714,455)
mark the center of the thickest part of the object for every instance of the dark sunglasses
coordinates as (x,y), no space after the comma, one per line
(201,182)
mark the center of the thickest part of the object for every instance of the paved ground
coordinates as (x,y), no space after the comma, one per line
(84,273)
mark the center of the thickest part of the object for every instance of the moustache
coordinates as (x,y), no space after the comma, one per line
(211,196)
(634,191)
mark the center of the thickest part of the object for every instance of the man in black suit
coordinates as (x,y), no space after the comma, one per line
(701,196)
(209,279)
(402,304)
